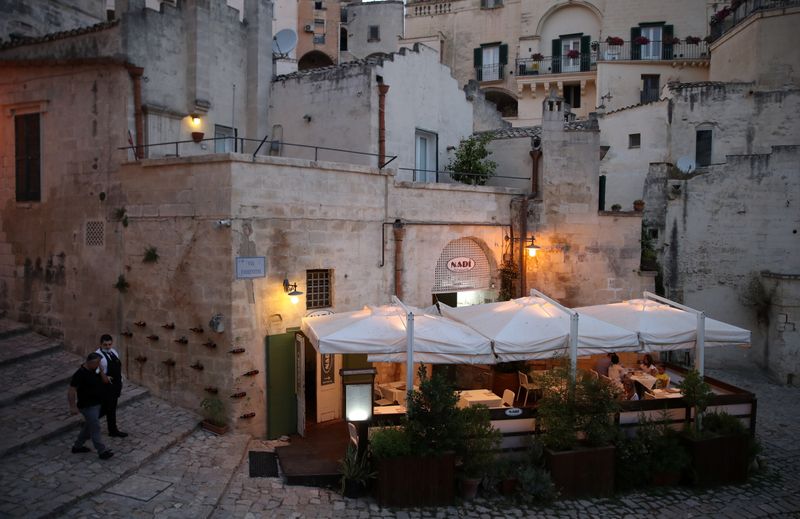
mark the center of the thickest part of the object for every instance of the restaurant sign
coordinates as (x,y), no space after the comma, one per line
(461,264)
(513,411)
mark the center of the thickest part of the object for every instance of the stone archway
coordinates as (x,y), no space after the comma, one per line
(463,265)
(314,59)
(505,101)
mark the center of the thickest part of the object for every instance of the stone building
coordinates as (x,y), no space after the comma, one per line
(518,51)
(370,28)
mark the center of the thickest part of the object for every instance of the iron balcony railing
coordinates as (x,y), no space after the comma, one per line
(490,72)
(652,51)
(556,65)
(728,17)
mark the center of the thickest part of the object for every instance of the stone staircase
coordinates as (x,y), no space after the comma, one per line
(39,475)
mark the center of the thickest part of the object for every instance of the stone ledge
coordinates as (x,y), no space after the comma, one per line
(621,213)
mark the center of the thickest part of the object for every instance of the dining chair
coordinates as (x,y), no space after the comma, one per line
(382,400)
(594,374)
(526,384)
(351,427)
(508,398)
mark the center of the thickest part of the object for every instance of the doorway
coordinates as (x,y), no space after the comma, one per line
(310,393)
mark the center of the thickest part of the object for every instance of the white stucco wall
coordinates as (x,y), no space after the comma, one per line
(387,15)
(623,81)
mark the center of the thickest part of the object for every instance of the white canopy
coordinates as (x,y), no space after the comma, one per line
(533,328)
(662,327)
(381,332)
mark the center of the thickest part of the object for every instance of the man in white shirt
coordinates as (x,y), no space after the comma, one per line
(111,365)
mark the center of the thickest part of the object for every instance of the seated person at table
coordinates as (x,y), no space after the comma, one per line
(602,365)
(630,390)
(615,371)
(662,379)
(647,365)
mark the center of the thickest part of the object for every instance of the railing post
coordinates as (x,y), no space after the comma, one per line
(176,149)
(316,150)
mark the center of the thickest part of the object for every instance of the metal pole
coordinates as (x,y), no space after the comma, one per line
(700,352)
(573,345)
(409,353)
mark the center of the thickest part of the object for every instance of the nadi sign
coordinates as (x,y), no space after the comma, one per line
(460,264)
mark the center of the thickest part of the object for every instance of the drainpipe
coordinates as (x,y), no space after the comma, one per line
(382,89)
(399,234)
(536,155)
(136,74)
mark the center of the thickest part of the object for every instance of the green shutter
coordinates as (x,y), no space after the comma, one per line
(477,61)
(666,35)
(602,200)
(636,50)
(503,59)
(586,53)
(556,58)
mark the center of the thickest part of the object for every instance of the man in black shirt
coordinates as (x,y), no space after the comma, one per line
(87,387)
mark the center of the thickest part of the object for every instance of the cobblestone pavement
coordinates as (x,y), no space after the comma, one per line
(44,478)
(185,481)
(24,345)
(31,375)
(45,414)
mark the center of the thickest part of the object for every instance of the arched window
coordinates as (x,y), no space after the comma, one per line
(314,59)
(463,265)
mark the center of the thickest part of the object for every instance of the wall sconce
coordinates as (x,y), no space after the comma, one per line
(531,248)
(291,291)
(195,119)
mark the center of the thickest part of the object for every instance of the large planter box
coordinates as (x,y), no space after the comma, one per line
(719,460)
(582,472)
(416,481)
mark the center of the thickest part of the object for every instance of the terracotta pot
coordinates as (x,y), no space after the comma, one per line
(197,136)
(216,429)
(469,488)
(508,487)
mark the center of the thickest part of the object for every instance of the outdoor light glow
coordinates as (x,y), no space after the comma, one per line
(195,120)
(358,415)
(531,251)
(294,299)
(358,402)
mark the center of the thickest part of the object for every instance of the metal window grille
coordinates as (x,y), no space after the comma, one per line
(318,289)
(95,233)
(479,278)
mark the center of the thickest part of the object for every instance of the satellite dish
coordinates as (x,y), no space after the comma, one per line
(686,164)
(283,43)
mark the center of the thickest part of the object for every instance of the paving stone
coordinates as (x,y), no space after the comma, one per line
(36,374)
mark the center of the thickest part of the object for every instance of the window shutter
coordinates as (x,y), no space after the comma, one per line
(703,148)
(556,58)
(666,35)
(602,200)
(27,157)
(636,50)
(503,59)
(483,4)
(477,61)
(586,56)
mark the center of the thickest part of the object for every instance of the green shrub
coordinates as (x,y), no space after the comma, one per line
(723,424)
(696,394)
(391,442)
(432,418)
(355,468)
(478,441)
(471,164)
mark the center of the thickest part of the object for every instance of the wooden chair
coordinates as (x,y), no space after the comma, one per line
(382,400)
(351,427)
(508,398)
(594,374)
(527,385)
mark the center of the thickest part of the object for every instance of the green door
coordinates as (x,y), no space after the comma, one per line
(281,397)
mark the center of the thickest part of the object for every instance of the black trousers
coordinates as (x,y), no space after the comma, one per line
(109,409)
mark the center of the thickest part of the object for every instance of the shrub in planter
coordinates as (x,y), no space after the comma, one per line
(471,164)
(214,412)
(356,472)
(475,450)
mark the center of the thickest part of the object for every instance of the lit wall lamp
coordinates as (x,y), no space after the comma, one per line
(195,119)
(291,291)
(531,248)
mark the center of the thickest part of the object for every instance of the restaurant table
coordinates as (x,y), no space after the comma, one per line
(648,381)
(395,392)
(388,409)
(472,397)
(667,393)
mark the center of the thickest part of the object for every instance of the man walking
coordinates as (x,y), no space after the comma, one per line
(85,394)
(112,367)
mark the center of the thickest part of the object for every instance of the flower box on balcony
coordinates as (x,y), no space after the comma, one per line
(573,54)
(641,40)
(693,40)
(615,40)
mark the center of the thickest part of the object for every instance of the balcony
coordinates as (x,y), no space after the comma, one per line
(493,72)
(428,8)
(728,17)
(556,65)
(652,51)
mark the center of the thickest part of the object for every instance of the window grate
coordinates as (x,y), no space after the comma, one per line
(95,233)
(318,289)
(477,278)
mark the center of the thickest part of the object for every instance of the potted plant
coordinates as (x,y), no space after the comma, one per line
(475,450)
(215,418)
(573,54)
(504,475)
(615,41)
(641,40)
(638,205)
(578,421)
(616,208)
(693,40)
(537,56)
(356,472)
(197,136)
(671,40)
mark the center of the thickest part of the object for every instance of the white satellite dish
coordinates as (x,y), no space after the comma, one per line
(686,164)
(283,43)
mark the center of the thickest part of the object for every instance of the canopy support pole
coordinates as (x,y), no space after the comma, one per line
(573,331)
(700,340)
(409,344)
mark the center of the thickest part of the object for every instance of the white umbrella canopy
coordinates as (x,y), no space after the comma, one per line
(662,327)
(533,328)
(380,331)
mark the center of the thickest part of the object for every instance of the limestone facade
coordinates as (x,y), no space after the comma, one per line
(371,28)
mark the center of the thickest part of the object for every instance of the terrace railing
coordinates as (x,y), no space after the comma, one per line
(727,18)
(652,51)
(556,65)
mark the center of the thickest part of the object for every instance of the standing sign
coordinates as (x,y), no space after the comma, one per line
(326,370)
(249,267)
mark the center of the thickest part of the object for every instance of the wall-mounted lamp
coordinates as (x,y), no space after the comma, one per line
(291,291)
(531,248)
(195,119)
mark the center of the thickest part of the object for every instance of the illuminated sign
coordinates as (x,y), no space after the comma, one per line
(460,264)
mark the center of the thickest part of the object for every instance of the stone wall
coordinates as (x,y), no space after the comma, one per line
(782,347)
(387,15)
(32,19)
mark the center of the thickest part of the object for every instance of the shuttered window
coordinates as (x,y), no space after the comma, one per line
(27,156)
(703,148)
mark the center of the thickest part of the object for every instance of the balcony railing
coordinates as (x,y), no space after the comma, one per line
(727,18)
(428,9)
(557,65)
(652,51)
(490,72)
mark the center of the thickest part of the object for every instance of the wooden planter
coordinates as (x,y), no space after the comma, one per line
(581,472)
(219,430)
(720,460)
(666,479)
(416,481)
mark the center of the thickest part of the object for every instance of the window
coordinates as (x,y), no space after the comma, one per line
(572,95)
(651,50)
(650,88)
(569,47)
(571,53)
(318,289)
(319,38)
(634,140)
(703,148)
(374,33)
(342,38)
(425,162)
(27,155)
(319,6)
(224,139)
(489,61)
(491,4)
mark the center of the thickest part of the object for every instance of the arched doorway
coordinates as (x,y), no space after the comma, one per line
(463,274)
(314,59)
(506,103)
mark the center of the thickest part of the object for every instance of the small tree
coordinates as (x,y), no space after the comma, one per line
(470,164)
(697,394)
(432,421)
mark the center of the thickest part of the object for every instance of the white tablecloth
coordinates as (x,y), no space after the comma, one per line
(648,381)
(478,396)
(388,409)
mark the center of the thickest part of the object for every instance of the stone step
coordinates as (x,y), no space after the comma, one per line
(46,479)
(35,375)
(9,328)
(26,345)
(43,416)
(168,486)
